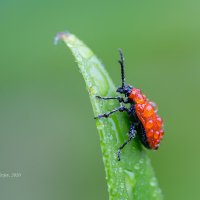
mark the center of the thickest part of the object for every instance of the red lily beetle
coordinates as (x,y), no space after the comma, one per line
(143,114)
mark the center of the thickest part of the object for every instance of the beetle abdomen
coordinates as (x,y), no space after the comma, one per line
(147,114)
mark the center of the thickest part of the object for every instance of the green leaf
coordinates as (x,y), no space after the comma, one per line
(133,176)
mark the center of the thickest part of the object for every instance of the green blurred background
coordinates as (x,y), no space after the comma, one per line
(47,131)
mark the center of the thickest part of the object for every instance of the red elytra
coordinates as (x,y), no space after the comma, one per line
(143,114)
(146,113)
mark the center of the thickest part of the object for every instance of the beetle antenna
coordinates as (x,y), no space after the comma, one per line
(121,61)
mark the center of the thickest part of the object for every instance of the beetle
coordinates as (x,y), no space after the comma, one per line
(145,122)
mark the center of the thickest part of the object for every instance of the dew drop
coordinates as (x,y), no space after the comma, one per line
(141,161)
(120,169)
(130,182)
(122,186)
(137,166)
(100,126)
(153,182)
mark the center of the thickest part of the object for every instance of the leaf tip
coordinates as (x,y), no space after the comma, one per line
(61,36)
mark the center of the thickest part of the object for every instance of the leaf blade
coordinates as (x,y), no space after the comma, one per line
(133,176)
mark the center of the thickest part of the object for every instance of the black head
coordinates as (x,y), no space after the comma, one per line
(124,89)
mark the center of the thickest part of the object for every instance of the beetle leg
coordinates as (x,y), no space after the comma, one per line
(120,99)
(121,109)
(132,133)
